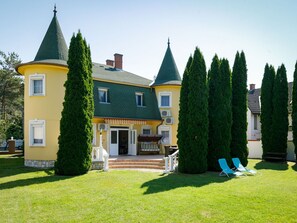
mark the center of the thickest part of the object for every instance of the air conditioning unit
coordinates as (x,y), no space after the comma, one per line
(165,113)
(102,126)
(169,121)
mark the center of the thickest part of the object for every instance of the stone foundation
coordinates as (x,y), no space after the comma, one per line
(97,165)
(44,164)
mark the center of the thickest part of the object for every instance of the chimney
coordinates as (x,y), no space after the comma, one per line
(252,86)
(118,61)
(109,62)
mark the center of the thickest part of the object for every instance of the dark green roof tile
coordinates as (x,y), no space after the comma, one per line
(123,102)
(53,45)
(168,73)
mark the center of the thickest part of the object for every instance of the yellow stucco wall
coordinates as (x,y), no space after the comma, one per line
(46,108)
(175,93)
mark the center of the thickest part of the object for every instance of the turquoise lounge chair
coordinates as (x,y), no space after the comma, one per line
(226,171)
(241,168)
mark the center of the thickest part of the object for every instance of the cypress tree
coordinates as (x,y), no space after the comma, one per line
(75,140)
(267,107)
(182,140)
(294,109)
(220,116)
(279,132)
(239,109)
(197,128)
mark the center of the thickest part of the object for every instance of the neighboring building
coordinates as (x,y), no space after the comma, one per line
(127,107)
(254,111)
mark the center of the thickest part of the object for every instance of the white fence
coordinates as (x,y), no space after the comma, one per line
(255,150)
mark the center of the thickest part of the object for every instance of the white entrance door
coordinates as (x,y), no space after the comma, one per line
(114,142)
(132,147)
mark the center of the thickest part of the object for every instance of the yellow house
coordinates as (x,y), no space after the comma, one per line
(134,115)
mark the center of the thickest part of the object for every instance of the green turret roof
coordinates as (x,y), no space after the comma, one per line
(53,45)
(168,73)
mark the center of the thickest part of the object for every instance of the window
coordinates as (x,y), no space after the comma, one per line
(139,99)
(94,133)
(37,132)
(165,131)
(146,130)
(103,95)
(255,122)
(165,99)
(37,85)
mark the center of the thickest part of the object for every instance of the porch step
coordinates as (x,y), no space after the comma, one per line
(136,164)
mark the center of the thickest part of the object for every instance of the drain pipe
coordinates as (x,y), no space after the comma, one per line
(161,123)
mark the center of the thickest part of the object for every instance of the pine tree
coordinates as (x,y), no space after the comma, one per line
(182,140)
(220,116)
(239,109)
(75,140)
(197,128)
(279,132)
(267,107)
(294,109)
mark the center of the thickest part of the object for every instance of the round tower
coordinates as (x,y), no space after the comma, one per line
(167,86)
(44,79)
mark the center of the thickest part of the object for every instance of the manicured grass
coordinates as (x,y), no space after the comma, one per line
(30,195)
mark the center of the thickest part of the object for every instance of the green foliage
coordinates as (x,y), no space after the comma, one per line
(294,109)
(220,113)
(279,131)
(197,118)
(12,92)
(75,140)
(267,107)
(239,109)
(15,129)
(182,139)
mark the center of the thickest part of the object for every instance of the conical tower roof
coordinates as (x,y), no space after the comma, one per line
(53,45)
(168,73)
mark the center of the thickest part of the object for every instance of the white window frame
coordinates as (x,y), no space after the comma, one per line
(165,128)
(32,78)
(106,90)
(32,125)
(139,94)
(94,134)
(165,93)
(146,127)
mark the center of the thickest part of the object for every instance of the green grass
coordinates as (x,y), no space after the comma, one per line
(30,195)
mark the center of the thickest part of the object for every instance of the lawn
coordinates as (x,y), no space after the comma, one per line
(31,195)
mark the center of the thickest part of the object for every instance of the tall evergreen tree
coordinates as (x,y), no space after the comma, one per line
(267,107)
(182,119)
(197,121)
(239,109)
(220,115)
(294,109)
(279,132)
(75,140)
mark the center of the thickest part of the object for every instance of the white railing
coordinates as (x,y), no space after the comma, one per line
(100,154)
(171,162)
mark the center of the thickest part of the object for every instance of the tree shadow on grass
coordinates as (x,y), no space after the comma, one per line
(33,181)
(14,165)
(294,167)
(173,181)
(271,166)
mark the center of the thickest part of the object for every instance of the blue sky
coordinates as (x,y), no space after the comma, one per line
(264,29)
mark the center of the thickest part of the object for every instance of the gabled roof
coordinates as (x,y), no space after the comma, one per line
(254,99)
(168,73)
(122,102)
(110,74)
(53,45)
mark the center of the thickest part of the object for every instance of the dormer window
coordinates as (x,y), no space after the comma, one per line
(139,99)
(103,95)
(37,85)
